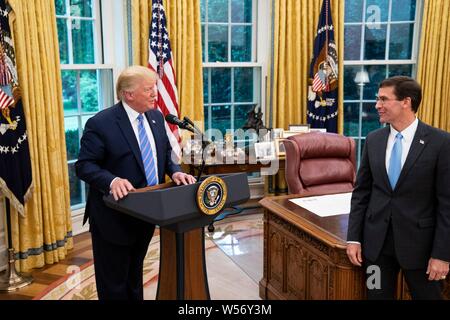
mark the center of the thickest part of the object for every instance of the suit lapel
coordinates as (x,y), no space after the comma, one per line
(418,145)
(124,123)
(380,155)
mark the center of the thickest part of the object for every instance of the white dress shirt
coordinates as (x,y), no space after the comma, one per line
(133,117)
(408,136)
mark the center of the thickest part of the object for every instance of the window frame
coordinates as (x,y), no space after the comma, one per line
(386,62)
(110,53)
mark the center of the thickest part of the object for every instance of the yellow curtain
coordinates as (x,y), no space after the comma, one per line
(184,24)
(434,64)
(45,234)
(295,26)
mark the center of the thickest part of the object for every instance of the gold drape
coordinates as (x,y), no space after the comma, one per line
(295,27)
(45,234)
(184,24)
(434,64)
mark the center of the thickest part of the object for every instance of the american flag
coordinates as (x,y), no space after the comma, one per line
(5,100)
(160,61)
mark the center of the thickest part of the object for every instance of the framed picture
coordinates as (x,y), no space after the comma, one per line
(279,148)
(265,150)
(277,133)
(299,128)
(318,130)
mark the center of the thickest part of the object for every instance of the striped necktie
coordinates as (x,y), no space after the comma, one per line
(395,163)
(146,153)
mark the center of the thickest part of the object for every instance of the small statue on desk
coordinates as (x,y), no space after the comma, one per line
(254,120)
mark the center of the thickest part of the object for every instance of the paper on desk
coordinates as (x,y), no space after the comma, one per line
(326,206)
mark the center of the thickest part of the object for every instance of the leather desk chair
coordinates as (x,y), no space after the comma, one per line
(320,162)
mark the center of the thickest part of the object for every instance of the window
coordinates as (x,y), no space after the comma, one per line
(231,69)
(87,83)
(381,40)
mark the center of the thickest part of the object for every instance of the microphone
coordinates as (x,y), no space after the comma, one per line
(186,119)
(173,119)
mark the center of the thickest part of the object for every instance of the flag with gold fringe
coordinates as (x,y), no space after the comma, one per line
(15,163)
(323,75)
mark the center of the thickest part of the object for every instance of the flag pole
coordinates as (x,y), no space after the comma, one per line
(12,280)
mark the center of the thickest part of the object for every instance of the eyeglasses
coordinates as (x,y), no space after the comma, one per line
(383,100)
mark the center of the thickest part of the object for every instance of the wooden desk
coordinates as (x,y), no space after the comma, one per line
(305,256)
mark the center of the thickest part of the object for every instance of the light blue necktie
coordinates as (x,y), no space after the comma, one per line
(146,153)
(395,163)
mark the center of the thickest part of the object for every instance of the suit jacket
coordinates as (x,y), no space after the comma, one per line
(418,207)
(109,149)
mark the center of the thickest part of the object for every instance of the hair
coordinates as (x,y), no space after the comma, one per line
(405,87)
(130,78)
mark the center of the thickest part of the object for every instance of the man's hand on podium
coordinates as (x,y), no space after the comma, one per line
(183,178)
(120,188)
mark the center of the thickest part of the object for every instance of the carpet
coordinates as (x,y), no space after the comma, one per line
(233,259)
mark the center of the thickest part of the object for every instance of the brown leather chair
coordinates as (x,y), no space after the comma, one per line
(322,163)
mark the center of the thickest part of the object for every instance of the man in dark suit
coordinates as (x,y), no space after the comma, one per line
(122,148)
(400,209)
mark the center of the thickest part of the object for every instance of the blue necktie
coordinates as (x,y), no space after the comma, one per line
(146,153)
(395,163)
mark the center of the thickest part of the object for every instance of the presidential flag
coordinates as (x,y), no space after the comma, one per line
(323,75)
(15,164)
(160,61)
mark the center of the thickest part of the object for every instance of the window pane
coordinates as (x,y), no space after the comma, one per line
(241,43)
(81,8)
(400,70)
(403,10)
(202,11)
(377,10)
(241,11)
(375,43)
(353,10)
(205,85)
(217,43)
(63,40)
(69,88)
(351,119)
(75,186)
(84,119)
(217,10)
(203,42)
(220,85)
(89,91)
(60,6)
(206,114)
(72,137)
(221,118)
(370,119)
(83,41)
(241,115)
(376,75)
(243,84)
(352,46)
(351,89)
(400,46)
(362,142)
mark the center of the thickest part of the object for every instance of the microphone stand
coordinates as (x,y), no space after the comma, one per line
(194,129)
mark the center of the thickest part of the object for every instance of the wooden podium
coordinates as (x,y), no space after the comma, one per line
(182,268)
(305,256)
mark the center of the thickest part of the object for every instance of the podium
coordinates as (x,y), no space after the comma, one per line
(182,268)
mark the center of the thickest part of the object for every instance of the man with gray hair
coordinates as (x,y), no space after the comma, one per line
(124,147)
